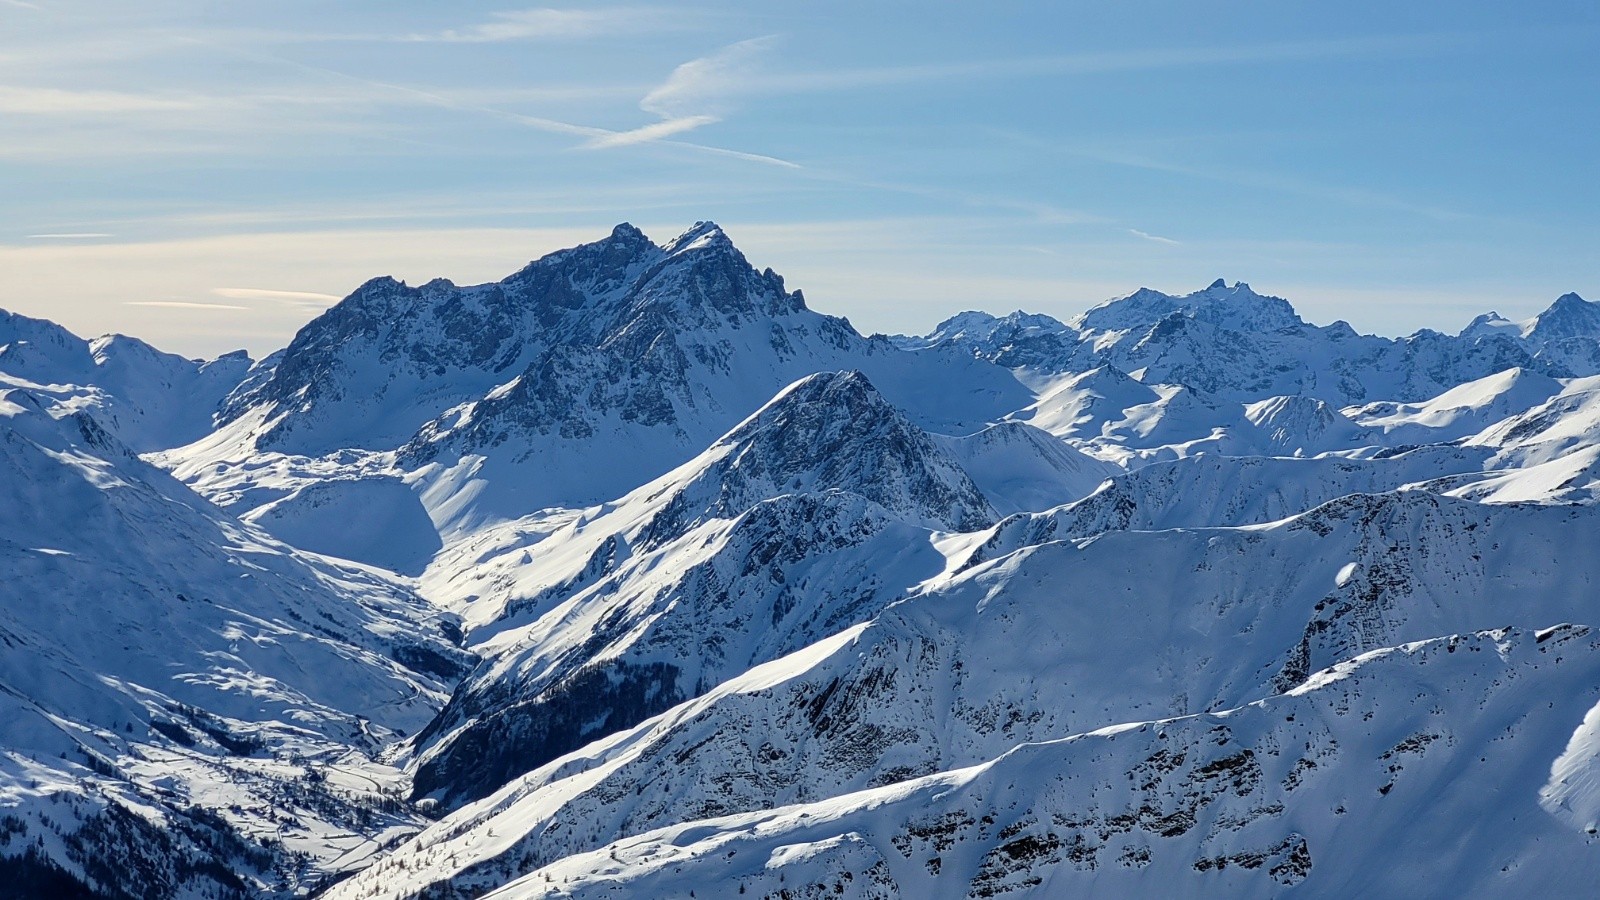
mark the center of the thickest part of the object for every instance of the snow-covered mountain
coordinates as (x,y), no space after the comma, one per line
(1034,645)
(1216,490)
(1460,412)
(1566,335)
(580,377)
(170,674)
(1230,342)
(631,575)
(1337,788)
(149,399)
(809,516)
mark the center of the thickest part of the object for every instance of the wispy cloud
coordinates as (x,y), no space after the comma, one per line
(705,90)
(56,102)
(648,133)
(704,86)
(1156,238)
(553,24)
(655,133)
(750,81)
(185,304)
(70,236)
(303,299)
(697,93)
(737,154)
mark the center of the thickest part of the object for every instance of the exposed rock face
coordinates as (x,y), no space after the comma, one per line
(785,515)
(573,381)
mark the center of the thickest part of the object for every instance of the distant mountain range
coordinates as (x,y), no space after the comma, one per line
(631,575)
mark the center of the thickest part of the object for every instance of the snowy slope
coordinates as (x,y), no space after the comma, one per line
(1112,416)
(1336,789)
(1569,478)
(149,399)
(1566,423)
(1020,468)
(1036,646)
(85,517)
(163,663)
(378,519)
(645,579)
(1214,490)
(808,517)
(1084,404)
(1460,412)
(827,432)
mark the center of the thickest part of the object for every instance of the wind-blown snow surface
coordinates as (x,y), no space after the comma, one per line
(643,579)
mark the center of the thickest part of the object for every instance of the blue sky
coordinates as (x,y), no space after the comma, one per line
(209,175)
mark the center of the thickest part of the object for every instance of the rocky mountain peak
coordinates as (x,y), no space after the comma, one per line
(701,235)
(628,233)
(1236,308)
(1491,323)
(700,281)
(1239,308)
(826,432)
(1570,316)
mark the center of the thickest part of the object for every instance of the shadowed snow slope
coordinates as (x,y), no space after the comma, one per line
(806,518)
(1022,468)
(1038,645)
(1334,790)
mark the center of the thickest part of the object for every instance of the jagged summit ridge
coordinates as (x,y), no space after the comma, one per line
(388,342)
(1237,307)
(1241,346)
(642,354)
(1570,316)
(834,431)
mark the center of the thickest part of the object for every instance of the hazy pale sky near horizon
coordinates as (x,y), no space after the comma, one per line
(209,175)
